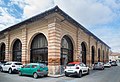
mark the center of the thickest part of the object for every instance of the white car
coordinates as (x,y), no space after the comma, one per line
(11,67)
(107,64)
(76,68)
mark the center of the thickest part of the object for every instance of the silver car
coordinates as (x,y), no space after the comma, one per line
(107,64)
(98,65)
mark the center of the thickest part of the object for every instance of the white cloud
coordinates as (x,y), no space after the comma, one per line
(20,3)
(1,2)
(88,12)
(112,3)
(36,6)
(6,19)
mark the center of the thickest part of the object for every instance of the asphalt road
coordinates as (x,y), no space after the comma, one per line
(108,75)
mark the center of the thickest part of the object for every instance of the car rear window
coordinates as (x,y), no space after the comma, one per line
(18,64)
(96,63)
(42,65)
(71,65)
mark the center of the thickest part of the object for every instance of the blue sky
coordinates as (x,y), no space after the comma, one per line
(101,17)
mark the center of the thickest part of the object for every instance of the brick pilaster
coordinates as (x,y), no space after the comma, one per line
(24,45)
(78,57)
(101,53)
(89,59)
(54,48)
(7,52)
(96,52)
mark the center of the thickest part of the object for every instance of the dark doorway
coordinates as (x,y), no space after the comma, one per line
(39,49)
(83,52)
(2,52)
(17,51)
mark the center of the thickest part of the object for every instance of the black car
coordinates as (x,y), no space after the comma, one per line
(113,63)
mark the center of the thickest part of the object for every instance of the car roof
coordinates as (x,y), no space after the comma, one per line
(35,64)
(74,63)
(13,62)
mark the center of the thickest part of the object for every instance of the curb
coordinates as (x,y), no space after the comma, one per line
(56,76)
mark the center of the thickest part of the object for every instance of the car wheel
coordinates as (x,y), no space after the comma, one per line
(93,68)
(103,68)
(1,69)
(80,74)
(35,75)
(19,73)
(66,74)
(10,71)
(46,75)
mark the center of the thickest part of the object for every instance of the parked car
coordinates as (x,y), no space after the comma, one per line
(76,68)
(113,63)
(2,63)
(98,65)
(34,69)
(11,67)
(107,64)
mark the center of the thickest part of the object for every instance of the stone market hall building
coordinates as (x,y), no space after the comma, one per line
(54,38)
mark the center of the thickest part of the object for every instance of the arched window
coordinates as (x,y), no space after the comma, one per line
(66,50)
(99,55)
(93,54)
(103,56)
(39,50)
(2,52)
(83,52)
(17,50)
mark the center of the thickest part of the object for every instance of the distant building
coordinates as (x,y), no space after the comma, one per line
(54,38)
(115,56)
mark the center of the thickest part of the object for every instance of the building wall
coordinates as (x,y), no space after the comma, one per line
(54,29)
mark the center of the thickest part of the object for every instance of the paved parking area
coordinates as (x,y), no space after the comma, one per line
(108,75)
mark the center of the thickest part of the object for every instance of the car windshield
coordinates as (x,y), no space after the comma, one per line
(3,62)
(18,64)
(70,64)
(107,63)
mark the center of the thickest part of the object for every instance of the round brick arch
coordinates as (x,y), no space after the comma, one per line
(84,51)
(2,44)
(11,47)
(30,42)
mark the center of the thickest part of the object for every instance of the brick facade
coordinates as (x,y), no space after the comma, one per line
(54,27)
